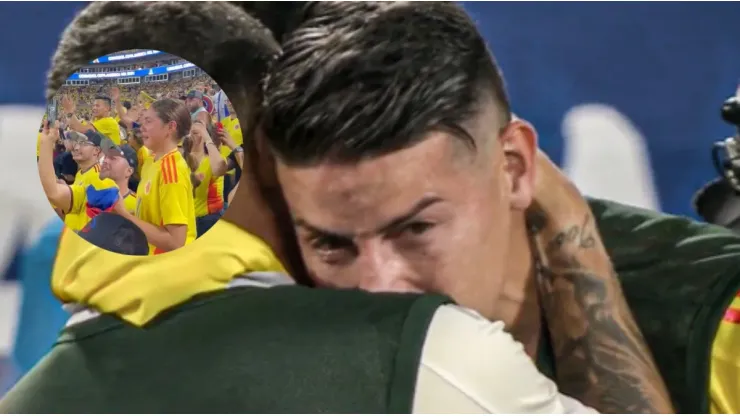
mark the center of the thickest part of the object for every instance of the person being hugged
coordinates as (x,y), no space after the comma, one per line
(164,206)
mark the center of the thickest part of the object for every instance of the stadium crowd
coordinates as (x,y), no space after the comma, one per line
(162,149)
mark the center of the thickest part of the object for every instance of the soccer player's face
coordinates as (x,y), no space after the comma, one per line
(431,218)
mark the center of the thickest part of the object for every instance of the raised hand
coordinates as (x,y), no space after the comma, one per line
(68,105)
(50,135)
(226,139)
(115,94)
(199,132)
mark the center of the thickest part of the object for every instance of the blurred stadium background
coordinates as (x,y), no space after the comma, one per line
(625,97)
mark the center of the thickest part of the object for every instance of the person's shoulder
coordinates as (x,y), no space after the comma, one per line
(99,183)
(174,169)
(463,323)
(633,234)
(182,165)
(470,364)
(225,237)
(79,193)
(143,151)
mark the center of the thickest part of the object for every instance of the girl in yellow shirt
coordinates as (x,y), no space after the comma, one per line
(164,205)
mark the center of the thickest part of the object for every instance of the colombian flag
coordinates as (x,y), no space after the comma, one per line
(100,200)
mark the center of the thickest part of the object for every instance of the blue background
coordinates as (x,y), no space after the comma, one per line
(667,66)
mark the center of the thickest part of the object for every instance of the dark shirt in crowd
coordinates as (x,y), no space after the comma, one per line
(65,166)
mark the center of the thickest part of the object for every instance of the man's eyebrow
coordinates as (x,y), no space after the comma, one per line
(419,206)
(399,221)
(300,222)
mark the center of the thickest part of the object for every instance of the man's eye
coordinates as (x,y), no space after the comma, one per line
(418,228)
(332,249)
(328,243)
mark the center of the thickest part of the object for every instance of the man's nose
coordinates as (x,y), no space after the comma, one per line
(383,269)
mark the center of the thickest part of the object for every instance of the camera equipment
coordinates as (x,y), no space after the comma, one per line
(726,154)
(718,202)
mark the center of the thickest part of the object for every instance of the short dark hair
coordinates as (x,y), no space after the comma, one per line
(105,98)
(281,17)
(126,104)
(363,79)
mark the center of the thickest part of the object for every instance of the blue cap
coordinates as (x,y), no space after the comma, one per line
(114,233)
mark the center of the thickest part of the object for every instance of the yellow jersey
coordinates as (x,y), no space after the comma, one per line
(76,219)
(165,195)
(209,194)
(724,376)
(132,286)
(232,126)
(143,156)
(129,201)
(38,145)
(108,127)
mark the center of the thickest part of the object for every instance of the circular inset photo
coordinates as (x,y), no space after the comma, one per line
(146,138)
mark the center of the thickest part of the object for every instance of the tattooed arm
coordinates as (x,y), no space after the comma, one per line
(602,358)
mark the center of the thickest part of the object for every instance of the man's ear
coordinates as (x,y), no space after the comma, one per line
(519,142)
